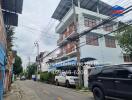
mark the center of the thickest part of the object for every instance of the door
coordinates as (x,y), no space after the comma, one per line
(62,77)
(107,80)
(123,83)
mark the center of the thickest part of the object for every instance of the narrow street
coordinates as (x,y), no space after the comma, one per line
(41,91)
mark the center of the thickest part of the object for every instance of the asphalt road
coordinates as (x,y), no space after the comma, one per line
(40,91)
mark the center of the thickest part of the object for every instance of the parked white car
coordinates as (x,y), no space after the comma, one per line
(66,79)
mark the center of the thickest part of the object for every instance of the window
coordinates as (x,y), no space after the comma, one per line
(92,39)
(127,58)
(89,22)
(110,42)
(109,72)
(71,28)
(108,27)
(122,73)
(65,33)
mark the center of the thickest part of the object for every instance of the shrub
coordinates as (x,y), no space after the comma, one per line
(47,77)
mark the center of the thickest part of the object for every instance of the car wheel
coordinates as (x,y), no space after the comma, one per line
(98,94)
(67,84)
(57,83)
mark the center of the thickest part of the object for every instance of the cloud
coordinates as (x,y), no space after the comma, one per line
(36,15)
(34,26)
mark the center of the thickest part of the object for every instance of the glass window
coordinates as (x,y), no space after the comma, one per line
(122,73)
(108,27)
(71,28)
(88,22)
(127,58)
(92,39)
(109,72)
(110,42)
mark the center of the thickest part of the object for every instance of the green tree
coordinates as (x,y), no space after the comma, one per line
(17,66)
(31,70)
(124,37)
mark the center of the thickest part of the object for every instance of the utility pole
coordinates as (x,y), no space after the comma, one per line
(29,61)
(38,60)
(77,43)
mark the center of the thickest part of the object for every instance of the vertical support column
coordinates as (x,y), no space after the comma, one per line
(77,42)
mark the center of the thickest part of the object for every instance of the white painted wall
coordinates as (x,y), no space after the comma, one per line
(44,65)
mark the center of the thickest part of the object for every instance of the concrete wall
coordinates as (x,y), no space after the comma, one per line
(102,53)
(44,64)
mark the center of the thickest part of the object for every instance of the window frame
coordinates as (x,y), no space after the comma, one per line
(110,42)
(89,22)
(108,27)
(122,69)
(127,58)
(110,76)
(92,39)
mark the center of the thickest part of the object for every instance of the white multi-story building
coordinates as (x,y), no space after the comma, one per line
(104,50)
(45,61)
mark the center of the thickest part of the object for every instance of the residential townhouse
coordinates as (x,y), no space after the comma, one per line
(45,62)
(105,49)
(89,13)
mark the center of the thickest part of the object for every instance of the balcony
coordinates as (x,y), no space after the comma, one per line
(67,54)
(61,42)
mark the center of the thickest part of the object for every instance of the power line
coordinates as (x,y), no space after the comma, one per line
(105,35)
(46,35)
(104,22)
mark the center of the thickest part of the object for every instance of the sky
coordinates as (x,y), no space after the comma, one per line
(35,24)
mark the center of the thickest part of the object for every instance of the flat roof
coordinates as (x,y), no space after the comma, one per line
(65,5)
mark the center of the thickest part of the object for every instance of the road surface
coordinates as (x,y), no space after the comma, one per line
(40,91)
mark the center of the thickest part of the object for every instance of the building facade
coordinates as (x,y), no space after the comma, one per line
(46,61)
(89,13)
(105,49)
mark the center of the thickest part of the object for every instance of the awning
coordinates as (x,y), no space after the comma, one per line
(69,62)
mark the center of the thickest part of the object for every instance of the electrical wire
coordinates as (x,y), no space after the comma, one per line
(105,22)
